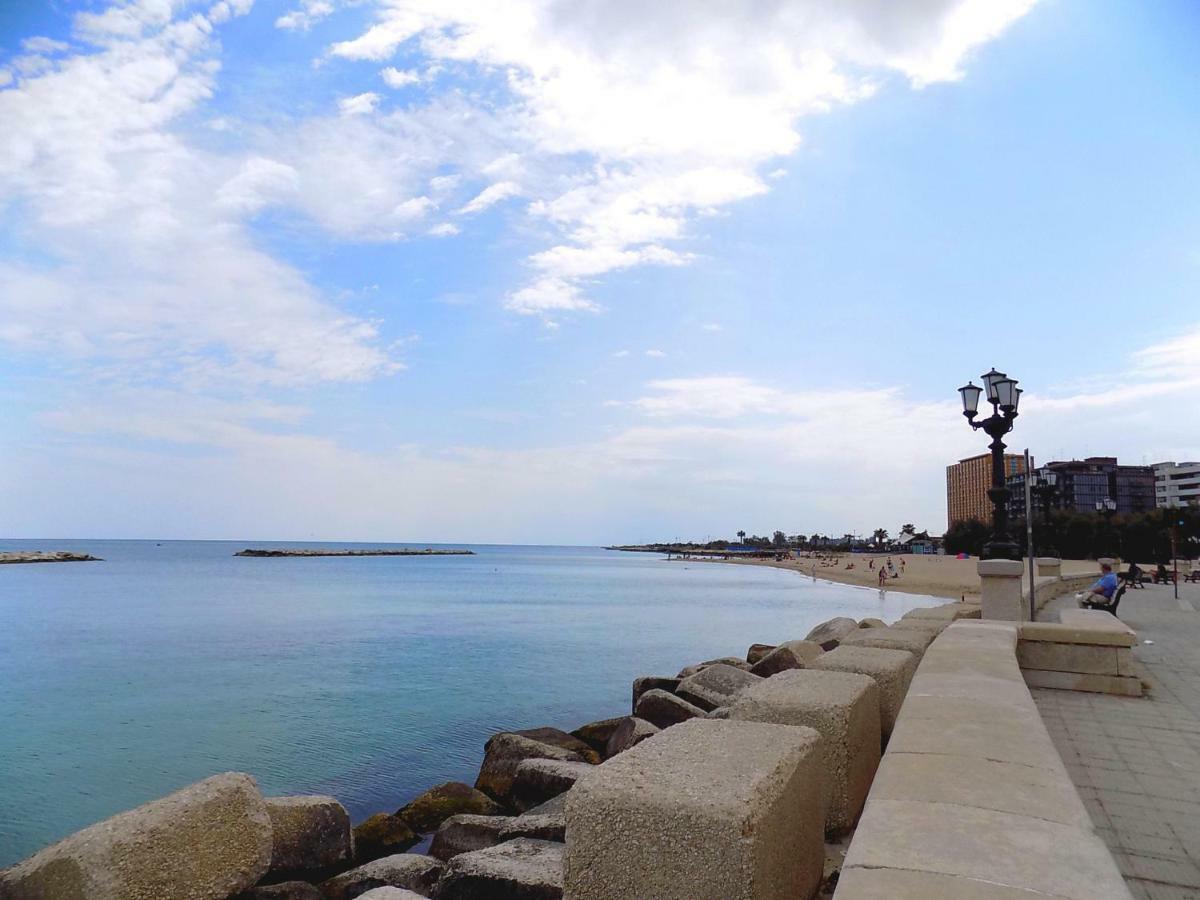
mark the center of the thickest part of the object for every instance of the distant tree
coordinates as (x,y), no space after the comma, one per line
(908,528)
(779,540)
(880,535)
(741,537)
(967,536)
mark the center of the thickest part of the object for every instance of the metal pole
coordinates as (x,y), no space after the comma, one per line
(1175,557)
(1029,536)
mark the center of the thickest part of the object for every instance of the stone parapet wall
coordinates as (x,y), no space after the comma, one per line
(971,799)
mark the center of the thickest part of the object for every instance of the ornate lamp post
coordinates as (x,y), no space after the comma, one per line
(1005,397)
(1045,485)
(1107,508)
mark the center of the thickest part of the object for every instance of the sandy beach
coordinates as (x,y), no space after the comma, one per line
(938,576)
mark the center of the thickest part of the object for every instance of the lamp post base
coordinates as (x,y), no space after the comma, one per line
(1002,549)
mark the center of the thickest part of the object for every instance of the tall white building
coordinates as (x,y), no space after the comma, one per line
(1176,484)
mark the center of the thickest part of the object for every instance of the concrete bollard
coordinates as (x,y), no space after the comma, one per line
(707,810)
(1049,565)
(1000,590)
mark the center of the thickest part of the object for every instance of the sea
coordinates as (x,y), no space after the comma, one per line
(366,678)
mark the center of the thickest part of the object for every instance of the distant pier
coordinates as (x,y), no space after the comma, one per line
(302,552)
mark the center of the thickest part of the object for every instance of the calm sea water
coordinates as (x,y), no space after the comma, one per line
(370,679)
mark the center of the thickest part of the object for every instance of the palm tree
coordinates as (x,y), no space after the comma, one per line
(880,535)
(741,537)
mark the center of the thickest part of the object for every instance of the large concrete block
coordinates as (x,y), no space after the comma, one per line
(1119,685)
(539,780)
(1046,859)
(631,732)
(830,633)
(464,833)
(410,871)
(715,686)
(650,683)
(664,710)
(310,832)
(892,671)
(205,842)
(951,611)
(504,752)
(1089,659)
(891,638)
(1056,632)
(524,869)
(390,893)
(843,707)
(708,810)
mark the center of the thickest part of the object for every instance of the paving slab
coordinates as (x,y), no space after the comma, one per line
(1136,760)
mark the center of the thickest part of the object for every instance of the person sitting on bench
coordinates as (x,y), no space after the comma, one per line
(1134,576)
(1101,593)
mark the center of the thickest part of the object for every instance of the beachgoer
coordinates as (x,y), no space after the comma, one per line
(1104,588)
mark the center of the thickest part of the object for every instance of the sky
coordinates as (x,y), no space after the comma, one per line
(581,271)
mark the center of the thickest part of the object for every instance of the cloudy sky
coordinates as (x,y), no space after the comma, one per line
(580,270)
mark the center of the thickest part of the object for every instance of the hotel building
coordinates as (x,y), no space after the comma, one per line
(967,483)
(1176,484)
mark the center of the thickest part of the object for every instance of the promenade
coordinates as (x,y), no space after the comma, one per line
(1136,761)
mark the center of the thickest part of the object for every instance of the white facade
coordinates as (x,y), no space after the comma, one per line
(1176,484)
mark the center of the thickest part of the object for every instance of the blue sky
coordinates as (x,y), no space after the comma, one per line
(564,270)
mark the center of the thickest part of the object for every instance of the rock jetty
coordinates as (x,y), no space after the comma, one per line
(45,556)
(785,754)
(302,552)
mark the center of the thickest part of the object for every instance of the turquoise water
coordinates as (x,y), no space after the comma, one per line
(370,679)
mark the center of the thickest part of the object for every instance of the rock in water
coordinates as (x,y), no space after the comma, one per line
(205,842)
(757,652)
(596,734)
(556,738)
(524,869)
(829,634)
(663,710)
(723,661)
(463,834)
(539,780)
(715,686)
(650,683)
(505,751)
(382,835)
(390,893)
(308,833)
(871,622)
(410,871)
(631,732)
(778,660)
(437,804)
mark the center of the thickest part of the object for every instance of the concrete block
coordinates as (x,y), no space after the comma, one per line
(1125,662)
(410,871)
(650,683)
(714,686)
(902,884)
(1083,658)
(504,752)
(1058,633)
(951,611)
(524,869)
(539,780)
(1120,685)
(892,671)
(974,728)
(1049,565)
(465,832)
(805,651)
(664,710)
(843,707)
(308,833)
(758,651)
(1094,619)
(932,626)
(205,842)
(708,810)
(390,893)
(1000,590)
(283,890)
(891,638)
(830,633)
(982,783)
(631,732)
(982,845)
(778,660)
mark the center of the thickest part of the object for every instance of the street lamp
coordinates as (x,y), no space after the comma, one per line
(1107,507)
(1045,486)
(1004,395)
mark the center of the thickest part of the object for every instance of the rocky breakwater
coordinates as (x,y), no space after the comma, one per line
(44,556)
(723,783)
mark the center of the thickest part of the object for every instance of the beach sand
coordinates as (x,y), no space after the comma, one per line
(937,576)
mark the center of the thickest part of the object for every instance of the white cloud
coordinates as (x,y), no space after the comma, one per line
(656,354)
(145,269)
(359,104)
(304,16)
(43,45)
(443,229)
(548,295)
(640,118)
(395,78)
(490,196)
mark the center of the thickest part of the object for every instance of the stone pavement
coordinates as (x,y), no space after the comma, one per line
(1136,761)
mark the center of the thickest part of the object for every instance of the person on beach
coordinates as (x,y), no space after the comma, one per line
(1104,588)
(882,576)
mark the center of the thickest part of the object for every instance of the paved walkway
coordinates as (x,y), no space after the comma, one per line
(1136,762)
